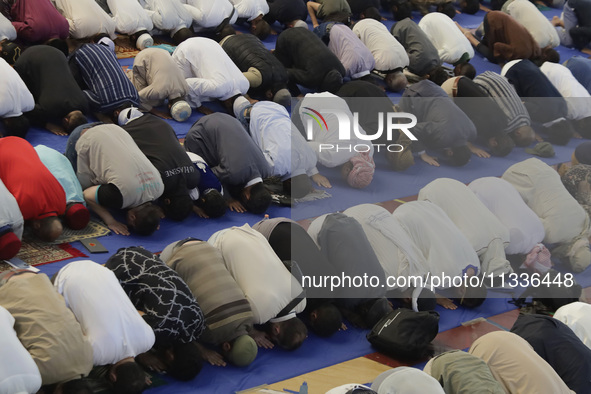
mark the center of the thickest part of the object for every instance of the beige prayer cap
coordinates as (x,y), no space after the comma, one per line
(255,79)
(580,255)
(244,351)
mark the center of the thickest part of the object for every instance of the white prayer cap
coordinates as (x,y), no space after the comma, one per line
(106,41)
(301,23)
(144,41)
(240,104)
(180,111)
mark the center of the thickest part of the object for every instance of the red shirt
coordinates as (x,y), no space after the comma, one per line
(35,189)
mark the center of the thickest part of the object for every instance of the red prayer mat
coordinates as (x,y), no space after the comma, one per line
(39,253)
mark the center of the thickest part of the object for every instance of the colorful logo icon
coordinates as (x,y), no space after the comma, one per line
(316,118)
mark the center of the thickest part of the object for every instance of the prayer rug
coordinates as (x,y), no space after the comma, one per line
(124,49)
(93,230)
(38,253)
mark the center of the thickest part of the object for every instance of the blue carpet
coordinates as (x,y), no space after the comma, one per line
(275,365)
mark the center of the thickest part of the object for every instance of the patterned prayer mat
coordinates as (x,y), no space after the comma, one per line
(39,253)
(93,230)
(124,49)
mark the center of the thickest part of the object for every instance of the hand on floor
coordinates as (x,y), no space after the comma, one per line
(261,339)
(321,180)
(429,160)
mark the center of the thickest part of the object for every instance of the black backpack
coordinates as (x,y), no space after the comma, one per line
(405,335)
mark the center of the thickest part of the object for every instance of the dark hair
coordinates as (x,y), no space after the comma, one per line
(470,6)
(427,300)
(521,139)
(328,320)
(77,386)
(292,334)
(187,362)
(182,35)
(447,9)
(372,13)
(461,156)
(465,69)
(261,29)
(439,75)
(147,219)
(75,120)
(560,133)
(504,146)
(550,55)
(213,203)
(60,45)
(583,126)
(401,10)
(47,227)
(16,126)
(474,296)
(131,378)
(178,207)
(226,31)
(332,82)
(259,200)
(298,186)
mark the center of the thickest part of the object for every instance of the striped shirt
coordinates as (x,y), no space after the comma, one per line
(107,85)
(505,95)
(228,314)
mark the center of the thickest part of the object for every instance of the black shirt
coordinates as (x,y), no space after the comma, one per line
(158,141)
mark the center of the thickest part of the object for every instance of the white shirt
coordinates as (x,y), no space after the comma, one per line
(535,22)
(129,16)
(577,316)
(322,135)
(250,9)
(578,99)
(434,233)
(15,97)
(388,53)
(208,14)
(487,235)
(10,212)
(267,284)
(500,197)
(209,71)
(450,42)
(107,317)
(282,145)
(167,15)
(18,372)
(7,31)
(86,18)
(542,190)
(470,215)
(397,253)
